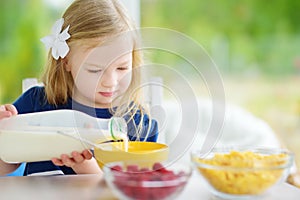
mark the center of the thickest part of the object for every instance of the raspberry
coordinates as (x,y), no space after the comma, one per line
(116,168)
(132,168)
(168,176)
(158,166)
(144,169)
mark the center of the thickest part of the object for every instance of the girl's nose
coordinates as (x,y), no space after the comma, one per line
(109,79)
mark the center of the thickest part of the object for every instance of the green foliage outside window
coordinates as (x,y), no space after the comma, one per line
(261,36)
(22,24)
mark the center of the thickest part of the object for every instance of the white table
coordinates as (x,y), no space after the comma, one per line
(196,190)
(85,187)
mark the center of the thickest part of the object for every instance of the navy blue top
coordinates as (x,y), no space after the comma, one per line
(34,100)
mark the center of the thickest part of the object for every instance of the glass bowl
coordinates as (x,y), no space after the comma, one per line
(129,181)
(241,172)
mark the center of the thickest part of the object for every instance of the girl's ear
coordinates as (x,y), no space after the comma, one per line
(67,65)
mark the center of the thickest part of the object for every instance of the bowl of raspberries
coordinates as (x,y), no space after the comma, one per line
(146,181)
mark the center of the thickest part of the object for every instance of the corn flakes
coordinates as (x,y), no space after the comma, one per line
(242,172)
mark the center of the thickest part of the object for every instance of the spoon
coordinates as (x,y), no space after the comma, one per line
(87,142)
(117,128)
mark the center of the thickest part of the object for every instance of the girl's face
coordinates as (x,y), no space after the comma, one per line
(101,74)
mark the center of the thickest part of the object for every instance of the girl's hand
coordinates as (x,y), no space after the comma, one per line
(7,110)
(77,158)
(81,163)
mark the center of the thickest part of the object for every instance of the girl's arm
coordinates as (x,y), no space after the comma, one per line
(6,168)
(81,163)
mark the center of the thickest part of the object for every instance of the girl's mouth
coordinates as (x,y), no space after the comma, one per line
(106,94)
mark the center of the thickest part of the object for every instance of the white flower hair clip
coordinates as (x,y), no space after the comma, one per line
(57,40)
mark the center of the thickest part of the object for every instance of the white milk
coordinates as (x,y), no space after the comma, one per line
(32,144)
(125,141)
(45,135)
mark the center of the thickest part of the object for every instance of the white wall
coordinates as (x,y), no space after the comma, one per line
(133,7)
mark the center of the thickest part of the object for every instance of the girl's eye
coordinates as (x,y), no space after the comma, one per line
(94,70)
(123,68)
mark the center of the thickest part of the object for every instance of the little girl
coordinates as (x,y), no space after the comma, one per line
(92,67)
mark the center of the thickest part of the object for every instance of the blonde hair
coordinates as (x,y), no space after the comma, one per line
(90,20)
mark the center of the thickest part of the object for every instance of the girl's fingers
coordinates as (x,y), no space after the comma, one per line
(7,110)
(78,158)
(11,108)
(2,108)
(67,161)
(4,114)
(57,162)
(87,154)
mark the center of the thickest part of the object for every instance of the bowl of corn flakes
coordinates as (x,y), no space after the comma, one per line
(242,172)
